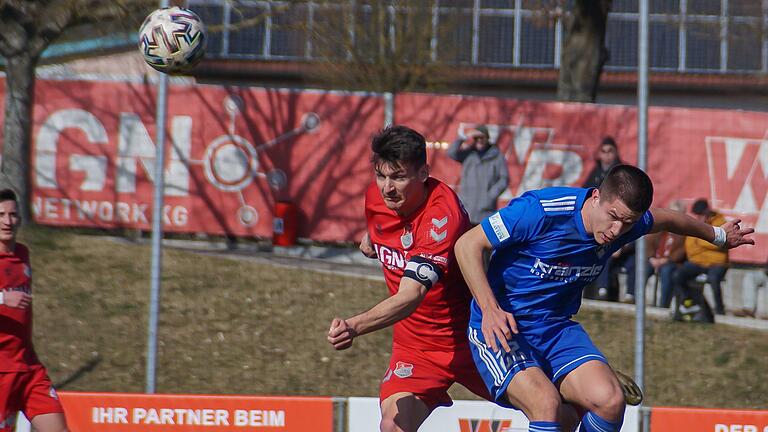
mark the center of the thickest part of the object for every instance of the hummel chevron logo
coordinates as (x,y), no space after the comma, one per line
(439,223)
(438,237)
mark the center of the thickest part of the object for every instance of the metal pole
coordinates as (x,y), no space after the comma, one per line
(389,108)
(642,163)
(157,226)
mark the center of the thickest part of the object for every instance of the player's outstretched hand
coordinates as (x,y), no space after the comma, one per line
(17,299)
(498,325)
(366,247)
(341,334)
(735,235)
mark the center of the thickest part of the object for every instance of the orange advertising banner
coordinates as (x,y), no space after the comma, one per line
(664,419)
(116,412)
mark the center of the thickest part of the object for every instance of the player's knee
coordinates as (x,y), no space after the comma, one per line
(547,407)
(607,401)
(389,424)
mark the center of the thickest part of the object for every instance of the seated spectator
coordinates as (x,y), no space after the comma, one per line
(703,258)
(607,282)
(668,252)
(753,281)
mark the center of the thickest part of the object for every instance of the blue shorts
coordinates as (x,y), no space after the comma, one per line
(556,347)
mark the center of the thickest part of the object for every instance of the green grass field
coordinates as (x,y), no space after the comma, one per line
(235,327)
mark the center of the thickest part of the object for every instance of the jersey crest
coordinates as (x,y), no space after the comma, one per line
(407,239)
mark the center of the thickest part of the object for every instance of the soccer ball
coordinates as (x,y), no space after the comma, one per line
(172,39)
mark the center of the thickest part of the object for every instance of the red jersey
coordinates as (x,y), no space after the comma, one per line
(16,351)
(404,244)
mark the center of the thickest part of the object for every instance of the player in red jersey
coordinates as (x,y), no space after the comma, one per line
(24,382)
(413,221)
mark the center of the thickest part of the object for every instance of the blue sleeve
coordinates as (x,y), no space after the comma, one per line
(641,228)
(519,222)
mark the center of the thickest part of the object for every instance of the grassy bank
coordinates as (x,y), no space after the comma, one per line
(238,327)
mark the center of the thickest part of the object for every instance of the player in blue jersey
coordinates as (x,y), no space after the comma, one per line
(547,246)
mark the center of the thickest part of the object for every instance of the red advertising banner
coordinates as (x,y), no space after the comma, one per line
(707,420)
(233,152)
(693,153)
(115,412)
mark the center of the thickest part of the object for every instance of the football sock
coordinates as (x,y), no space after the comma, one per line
(594,423)
(543,426)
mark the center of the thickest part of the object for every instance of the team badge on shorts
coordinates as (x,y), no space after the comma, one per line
(403,370)
(52,393)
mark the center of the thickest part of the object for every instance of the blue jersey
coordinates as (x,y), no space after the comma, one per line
(543,257)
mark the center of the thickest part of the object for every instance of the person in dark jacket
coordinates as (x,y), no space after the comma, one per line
(484,173)
(607,158)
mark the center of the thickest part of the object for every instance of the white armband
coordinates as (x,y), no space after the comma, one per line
(2,298)
(720,237)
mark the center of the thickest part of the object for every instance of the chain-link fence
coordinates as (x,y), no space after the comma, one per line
(702,36)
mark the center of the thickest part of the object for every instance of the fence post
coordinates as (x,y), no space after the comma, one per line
(339,414)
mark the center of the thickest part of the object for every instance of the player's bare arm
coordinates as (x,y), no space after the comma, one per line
(497,323)
(17,299)
(679,223)
(387,312)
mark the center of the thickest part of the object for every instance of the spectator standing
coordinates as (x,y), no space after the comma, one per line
(607,157)
(24,382)
(704,257)
(484,173)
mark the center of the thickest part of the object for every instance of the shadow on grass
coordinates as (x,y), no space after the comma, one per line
(89,366)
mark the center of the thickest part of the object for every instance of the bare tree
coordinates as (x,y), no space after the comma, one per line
(584,51)
(380,45)
(29,27)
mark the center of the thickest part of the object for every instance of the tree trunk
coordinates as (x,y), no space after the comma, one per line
(584,51)
(19,99)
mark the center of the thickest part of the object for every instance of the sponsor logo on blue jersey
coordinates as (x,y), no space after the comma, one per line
(565,273)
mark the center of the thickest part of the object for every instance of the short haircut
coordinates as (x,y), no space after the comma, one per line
(8,195)
(631,185)
(608,140)
(700,207)
(399,145)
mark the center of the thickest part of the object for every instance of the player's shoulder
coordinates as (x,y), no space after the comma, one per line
(557,201)
(442,196)
(21,249)
(443,204)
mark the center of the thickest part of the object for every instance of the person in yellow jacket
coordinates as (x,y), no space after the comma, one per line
(704,257)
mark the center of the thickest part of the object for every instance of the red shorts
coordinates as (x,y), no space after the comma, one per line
(30,392)
(429,374)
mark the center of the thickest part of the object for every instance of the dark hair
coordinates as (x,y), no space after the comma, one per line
(700,207)
(631,185)
(8,195)
(608,140)
(399,145)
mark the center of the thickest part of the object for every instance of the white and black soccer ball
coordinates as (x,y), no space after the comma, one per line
(172,40)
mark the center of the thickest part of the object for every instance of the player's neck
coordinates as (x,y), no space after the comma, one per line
(7,246)
(585,219)
(405,212)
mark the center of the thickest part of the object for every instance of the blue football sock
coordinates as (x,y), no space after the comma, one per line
(543,426)
(594,423)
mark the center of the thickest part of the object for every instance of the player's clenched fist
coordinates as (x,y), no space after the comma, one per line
(341,334)
(17,299)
